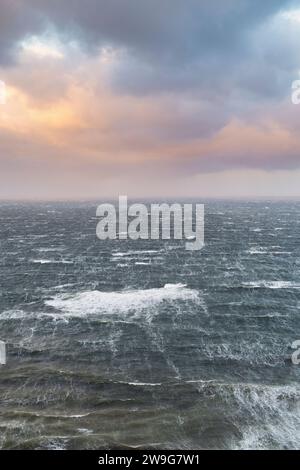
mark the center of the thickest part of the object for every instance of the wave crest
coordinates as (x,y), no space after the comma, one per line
(97,302)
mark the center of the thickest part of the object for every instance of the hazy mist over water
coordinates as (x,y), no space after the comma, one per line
(142,344)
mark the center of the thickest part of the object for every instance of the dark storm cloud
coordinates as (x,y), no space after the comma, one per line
(16,21)
(161,29)
(210,45)
(171,30)
(170,44)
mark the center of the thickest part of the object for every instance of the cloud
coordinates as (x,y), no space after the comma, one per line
(210,46)
(133,89)
(16,21)
(160,29)
(169,31)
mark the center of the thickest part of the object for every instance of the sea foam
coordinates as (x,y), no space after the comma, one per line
(97,302)
(272,284)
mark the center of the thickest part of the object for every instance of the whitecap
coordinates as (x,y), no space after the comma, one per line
(50,249)
(257,251)
(97,302)
(50,261)
(272,285)
(143,384)
(273,414)
(120,254)
(13,315)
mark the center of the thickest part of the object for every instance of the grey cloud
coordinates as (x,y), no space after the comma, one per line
(169,30)
(16,21)
(208,45)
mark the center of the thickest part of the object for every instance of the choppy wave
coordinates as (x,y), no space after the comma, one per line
(258,352)
(272,415)
(13,315)
(105,343)
(267,416)
(257,251)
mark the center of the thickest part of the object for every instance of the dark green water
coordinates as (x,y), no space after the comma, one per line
(143,344)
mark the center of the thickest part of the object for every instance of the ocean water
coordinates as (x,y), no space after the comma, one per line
(142,344)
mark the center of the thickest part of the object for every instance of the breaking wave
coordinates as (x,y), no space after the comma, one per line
(267,416)
(272,284)
(97,302)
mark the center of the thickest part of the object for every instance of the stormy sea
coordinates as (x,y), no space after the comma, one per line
(143,344)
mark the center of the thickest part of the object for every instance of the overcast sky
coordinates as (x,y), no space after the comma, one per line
(149,98)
